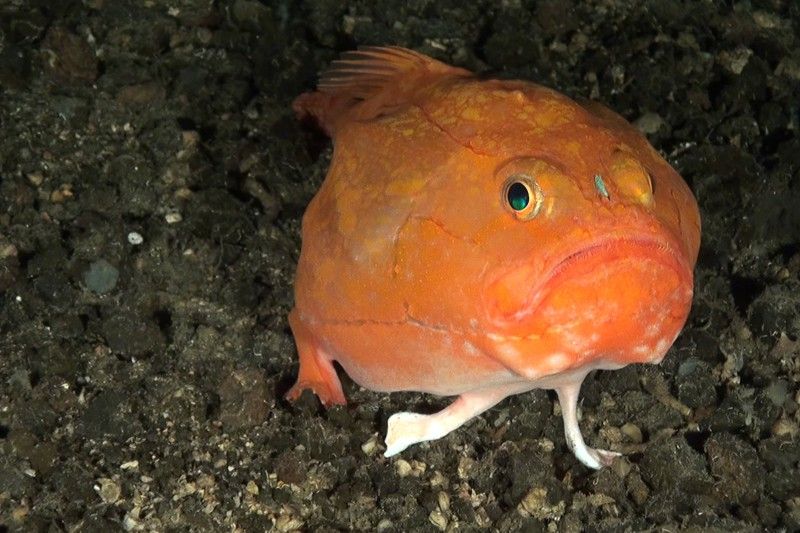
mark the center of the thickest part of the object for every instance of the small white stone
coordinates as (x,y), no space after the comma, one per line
(129,523)
(370,446)
(384,525)
(135,238)
(36,178)
(403,467)
(173,218)
(130,465)
(443,500)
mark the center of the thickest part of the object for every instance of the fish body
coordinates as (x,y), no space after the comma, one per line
(481,238)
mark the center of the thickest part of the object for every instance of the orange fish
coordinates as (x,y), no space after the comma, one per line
(482,238)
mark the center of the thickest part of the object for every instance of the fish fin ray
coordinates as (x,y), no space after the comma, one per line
(387,76)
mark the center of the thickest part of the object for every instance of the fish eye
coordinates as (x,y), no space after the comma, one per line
(523,196)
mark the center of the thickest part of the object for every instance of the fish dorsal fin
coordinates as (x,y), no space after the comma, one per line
(367,82)
(369,70)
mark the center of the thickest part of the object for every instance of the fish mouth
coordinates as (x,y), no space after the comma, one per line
(650,256)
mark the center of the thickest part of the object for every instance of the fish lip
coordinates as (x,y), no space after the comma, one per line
(661,245)
(666,252)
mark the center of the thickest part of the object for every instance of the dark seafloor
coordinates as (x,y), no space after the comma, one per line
(152,180)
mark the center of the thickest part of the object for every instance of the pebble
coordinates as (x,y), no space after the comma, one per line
(438,519)
(403,467)
(288,522)
(735,60)
(638,489)
(649,123)
(135,238)
(443,500)
(108,490)
(633,432)
(173,218)
(384,525)
(536,504)
(36,178)
(465,467)
(244,399)
(370,446)
(101,277)
(8,250)
(785,427)
(69,57)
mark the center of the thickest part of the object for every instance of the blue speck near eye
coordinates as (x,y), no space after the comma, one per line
(600,186)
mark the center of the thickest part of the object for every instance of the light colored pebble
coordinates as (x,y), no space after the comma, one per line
(36,178)
(438,519)
(785,427)
(108,489)
(370,446)
(649,123)
(287,522)
(443,500)
(135,238)
(438,480)
(384,525)
(403,467)
(536,504)
(465,467)
(633,432)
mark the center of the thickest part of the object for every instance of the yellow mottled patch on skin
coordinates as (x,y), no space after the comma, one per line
(553,113)
(346,221)
(471,113)
(371,248)
(339,187)
(548,208)
(405,187)
(347,216)
(347,164)
(406,124)
(645,198)
(631,178)
(490,145)
(573,147)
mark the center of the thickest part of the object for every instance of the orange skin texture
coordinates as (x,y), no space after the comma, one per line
(415,273)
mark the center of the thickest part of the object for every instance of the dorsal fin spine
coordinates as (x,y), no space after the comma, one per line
(362,74)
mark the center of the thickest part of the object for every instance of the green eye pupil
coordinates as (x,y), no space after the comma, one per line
(518,196)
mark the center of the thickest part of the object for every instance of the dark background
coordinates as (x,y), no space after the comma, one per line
(141,382)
